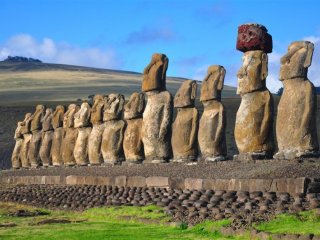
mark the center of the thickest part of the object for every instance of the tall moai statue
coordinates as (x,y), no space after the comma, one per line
(254,121)
(27,135)
(95,138)
(18,137)
(35,142)
(185,126)
(157,117)
(57,124)
(82,123)
(132,142)
(212,127)
(112,137)
(70,136)
(47,137)
(297,110)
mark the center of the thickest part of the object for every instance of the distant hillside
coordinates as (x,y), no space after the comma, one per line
(21,59)
(36,82)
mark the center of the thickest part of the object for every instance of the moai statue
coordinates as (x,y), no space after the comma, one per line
(132,142)
(18,137)
(47,137)
(157,117)
(70,136)
(185,126)
(26,133)
(254,121)
(95,138)
(296,121)
(112,137)
(212,136)
(57,124)
(82,123)
(35,142)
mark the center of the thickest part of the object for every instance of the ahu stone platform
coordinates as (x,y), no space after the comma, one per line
(301,176)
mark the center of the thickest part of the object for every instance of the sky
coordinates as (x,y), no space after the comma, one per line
(123,35)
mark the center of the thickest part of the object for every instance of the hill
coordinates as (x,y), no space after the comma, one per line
(36,82)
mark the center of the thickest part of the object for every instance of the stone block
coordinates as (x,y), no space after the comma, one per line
(209,184)
(136,181)
(176,183)
(254,37)
(222,184)
(75,180)
(314,186)
(157,182)
(193,183)
(120,181)
(263,185)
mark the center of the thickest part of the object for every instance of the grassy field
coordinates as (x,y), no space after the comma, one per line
(127,223)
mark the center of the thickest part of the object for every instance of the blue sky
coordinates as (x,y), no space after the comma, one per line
(123,34)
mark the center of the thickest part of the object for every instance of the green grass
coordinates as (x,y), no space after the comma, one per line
(303,223)
(128,223)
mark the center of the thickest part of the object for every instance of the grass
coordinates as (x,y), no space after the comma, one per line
(303,223)
(149,222)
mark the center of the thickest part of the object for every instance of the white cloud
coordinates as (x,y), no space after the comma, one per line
(50,51)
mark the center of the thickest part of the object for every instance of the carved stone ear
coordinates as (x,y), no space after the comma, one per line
(141,102)
(308,61)
(221,78)
(264,66)
(194,87)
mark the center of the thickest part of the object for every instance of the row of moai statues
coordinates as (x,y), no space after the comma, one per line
(111,131)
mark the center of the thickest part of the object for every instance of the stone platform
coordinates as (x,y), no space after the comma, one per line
(300,176)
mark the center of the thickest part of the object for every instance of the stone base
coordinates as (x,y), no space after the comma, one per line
(215,159)
(132,162)
(147,161)
(294,154)
(247,157)
(112,162)
(188,159)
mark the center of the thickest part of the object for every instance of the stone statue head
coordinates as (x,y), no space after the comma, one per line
(212,84)
(57,118)
(295,63)
(26,123)
(135,106)
(47,120)
(253,73)
(36,122)
(154,75)
(82,117)
(97,109)
(68,119)
(113,107)
(186,94)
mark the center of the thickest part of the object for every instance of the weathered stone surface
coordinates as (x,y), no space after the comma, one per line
(36,118)
(47,136)
(96,116)
(157,181)
(112,140)
(211,135)
(296,121)
(154,75)
(81,146)
(156,127)
(112,137)
(82,123)
(176,183)
(94,144)
(254,120)
(253,130)
(136,181)
(35,142)
(25,149)
(184,135)
(70,136)
(45,149)
(186,94)
(18,137)
(34,147)
(193,183)
(254,37)
(56,146)
(132,143)
(212,84)
(57,118)
(120,181)
(113,107)
(185,126)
